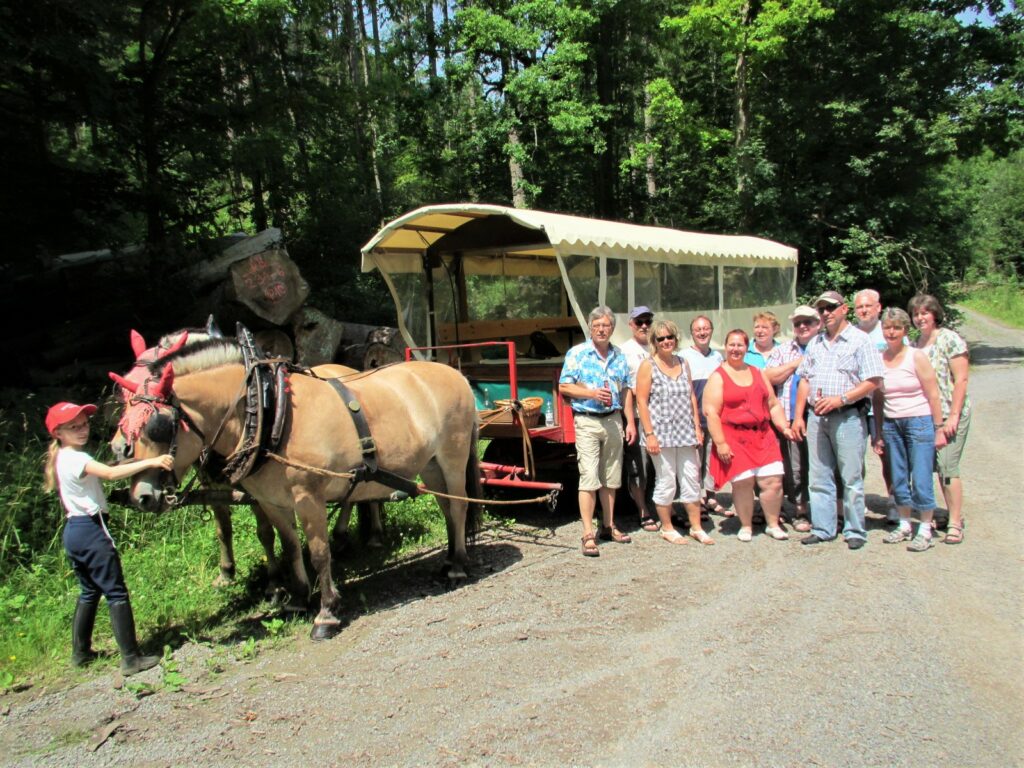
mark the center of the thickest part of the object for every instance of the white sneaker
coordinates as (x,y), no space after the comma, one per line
(776,533)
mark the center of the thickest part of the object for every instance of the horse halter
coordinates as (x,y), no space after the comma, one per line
(145,414)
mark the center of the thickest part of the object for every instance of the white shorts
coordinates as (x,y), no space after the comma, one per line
(682,464)
(775,468)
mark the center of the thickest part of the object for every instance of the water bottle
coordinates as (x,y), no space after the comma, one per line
(549,414)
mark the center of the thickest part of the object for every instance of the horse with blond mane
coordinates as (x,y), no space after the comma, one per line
(422,421)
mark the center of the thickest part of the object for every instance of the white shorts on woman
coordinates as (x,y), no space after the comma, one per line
(678,464)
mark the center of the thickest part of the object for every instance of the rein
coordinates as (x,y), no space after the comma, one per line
(420,488)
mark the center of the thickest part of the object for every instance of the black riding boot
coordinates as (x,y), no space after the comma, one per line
(123,623)
(81,634)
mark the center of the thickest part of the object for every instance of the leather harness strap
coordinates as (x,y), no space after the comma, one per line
(367,447)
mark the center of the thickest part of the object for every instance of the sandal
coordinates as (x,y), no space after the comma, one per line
(955,534)
(589,546)
(612,533)
(649,524)
(802,525)
(702,538)
(673,537)
(712,506)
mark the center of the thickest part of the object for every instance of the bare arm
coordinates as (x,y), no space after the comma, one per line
(778,374)
(713,394)
(778,416)
(121,471)
(627,406)
(799,426)
(693,401)
(643,397)
(930,387)
(958,366)
(878,410)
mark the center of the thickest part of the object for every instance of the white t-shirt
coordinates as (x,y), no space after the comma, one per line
(82,494)
(635,354)
(702,366)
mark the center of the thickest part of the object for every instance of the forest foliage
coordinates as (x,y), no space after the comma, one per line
(880,137)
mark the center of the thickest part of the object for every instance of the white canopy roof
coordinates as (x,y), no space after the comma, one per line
(562,235)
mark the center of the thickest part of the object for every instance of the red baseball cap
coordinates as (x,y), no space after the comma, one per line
(61,413)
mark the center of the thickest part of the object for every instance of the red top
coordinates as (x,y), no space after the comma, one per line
(747,426)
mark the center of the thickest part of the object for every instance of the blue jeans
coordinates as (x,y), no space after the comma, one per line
(836,441)
(910,445)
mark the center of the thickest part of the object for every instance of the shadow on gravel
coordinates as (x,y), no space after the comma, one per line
(983,354)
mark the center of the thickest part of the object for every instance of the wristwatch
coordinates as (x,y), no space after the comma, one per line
(843,400)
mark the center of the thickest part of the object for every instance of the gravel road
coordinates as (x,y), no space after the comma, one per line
(766,653)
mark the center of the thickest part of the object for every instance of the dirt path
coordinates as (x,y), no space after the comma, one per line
(766,653)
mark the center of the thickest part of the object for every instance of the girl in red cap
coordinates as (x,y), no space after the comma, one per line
(87,541)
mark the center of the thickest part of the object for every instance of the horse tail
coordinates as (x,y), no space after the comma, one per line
(474,489)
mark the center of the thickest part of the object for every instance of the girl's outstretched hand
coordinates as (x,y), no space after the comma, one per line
(165,462)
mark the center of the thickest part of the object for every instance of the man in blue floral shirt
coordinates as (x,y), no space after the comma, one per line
(595,379)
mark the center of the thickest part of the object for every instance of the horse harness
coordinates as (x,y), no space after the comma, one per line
(266,391)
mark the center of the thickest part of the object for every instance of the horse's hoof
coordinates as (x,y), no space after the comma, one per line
(325,631)
(223,580)
(375,542)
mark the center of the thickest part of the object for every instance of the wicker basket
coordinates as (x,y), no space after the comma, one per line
(502,414)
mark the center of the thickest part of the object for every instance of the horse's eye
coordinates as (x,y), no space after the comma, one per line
(160,429)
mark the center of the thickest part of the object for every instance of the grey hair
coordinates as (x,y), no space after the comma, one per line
(598,312)
(871,293)
(896,316)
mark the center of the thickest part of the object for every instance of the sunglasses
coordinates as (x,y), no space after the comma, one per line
(660,339)
(825,308)
(642,321)
(802,323)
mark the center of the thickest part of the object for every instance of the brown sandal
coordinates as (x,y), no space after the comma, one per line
(589,546)
(954,534)
(614,534)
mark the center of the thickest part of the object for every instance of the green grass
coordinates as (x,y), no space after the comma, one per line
(170,563)
(1003,301)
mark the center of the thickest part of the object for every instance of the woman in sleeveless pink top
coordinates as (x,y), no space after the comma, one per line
(908,417)
(741,407)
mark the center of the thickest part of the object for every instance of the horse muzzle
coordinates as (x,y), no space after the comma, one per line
(147,495)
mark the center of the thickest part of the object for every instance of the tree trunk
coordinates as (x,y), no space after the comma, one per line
(744,162)
(431,38)
(652,182)
(515,169)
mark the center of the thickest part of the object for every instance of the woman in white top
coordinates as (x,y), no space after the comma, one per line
(908,420)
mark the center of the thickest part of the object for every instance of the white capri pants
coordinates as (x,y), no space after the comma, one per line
(677,464)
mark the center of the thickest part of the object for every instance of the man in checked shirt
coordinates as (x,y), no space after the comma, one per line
(837,376)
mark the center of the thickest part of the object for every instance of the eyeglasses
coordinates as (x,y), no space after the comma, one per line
(802,323)
(644,321)
(660,339)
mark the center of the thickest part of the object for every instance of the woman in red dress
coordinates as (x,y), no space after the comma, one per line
(741,407)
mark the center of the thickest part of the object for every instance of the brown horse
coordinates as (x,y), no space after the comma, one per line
(422,418)
(370,522)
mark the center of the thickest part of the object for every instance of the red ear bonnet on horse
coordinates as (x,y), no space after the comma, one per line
(166,384)
(138,344)
(131,386)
